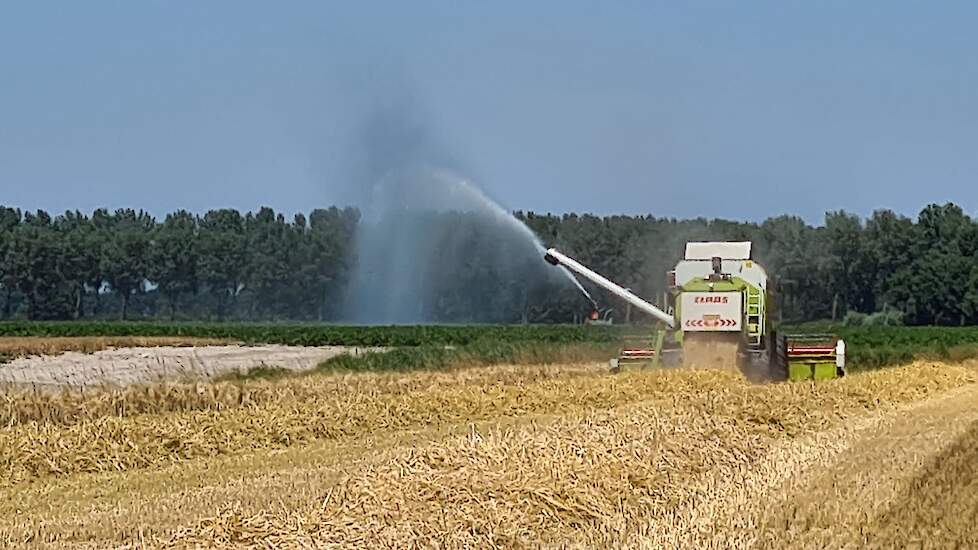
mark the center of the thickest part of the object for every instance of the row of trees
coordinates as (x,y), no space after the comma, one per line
(260,266)
(922,271)
(220,265)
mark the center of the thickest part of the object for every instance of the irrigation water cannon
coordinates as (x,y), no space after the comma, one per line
(722,306)
(554,257)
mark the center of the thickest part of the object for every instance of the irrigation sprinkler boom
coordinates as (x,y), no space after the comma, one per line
(554,257)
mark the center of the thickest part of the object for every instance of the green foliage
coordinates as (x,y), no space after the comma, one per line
(257,373)
(484,350)
(478,353)
(262,266)
(222,257)
(39,267)
(890,318)
(854,319)
(126,254)
(324,335)
(173,258)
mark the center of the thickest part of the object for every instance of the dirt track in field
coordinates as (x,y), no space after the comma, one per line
(145,365)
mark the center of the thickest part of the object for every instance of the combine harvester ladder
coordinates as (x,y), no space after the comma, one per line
(755,316)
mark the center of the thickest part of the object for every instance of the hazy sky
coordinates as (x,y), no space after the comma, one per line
(729,109)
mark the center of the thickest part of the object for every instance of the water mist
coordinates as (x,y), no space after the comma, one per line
(422,229)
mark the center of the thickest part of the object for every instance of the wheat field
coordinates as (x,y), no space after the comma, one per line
(505,456)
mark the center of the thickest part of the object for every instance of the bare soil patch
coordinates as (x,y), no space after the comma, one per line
(147,365)
(26,346)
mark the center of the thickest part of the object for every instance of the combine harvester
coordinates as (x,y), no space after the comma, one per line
(718,314)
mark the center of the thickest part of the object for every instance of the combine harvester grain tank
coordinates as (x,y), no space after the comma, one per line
(718,312)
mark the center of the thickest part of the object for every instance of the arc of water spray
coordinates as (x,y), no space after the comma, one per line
(464,192)
(477,194)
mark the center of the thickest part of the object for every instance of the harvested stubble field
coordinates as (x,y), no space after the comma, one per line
(498,456)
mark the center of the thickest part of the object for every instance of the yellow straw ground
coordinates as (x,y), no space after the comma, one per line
(502,456)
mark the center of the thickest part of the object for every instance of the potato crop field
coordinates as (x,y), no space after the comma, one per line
(868,347)
(518,444)
(317,335)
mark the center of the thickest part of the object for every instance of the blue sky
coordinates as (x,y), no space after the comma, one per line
(727,109)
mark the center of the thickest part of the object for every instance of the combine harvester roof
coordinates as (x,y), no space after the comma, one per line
(724,251)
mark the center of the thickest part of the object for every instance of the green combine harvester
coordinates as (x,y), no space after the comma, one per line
(717,313)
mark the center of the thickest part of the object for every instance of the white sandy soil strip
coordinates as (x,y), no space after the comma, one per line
(125,366)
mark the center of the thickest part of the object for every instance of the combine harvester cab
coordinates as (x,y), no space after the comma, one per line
(722,300)
(716,313)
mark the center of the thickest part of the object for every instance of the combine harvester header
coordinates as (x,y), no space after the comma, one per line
(718,313)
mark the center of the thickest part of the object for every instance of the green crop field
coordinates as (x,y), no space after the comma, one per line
(321,334)
(868,347)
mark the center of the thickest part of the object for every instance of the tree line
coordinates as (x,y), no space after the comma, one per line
(919,271)
(222,265)
(227,265)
